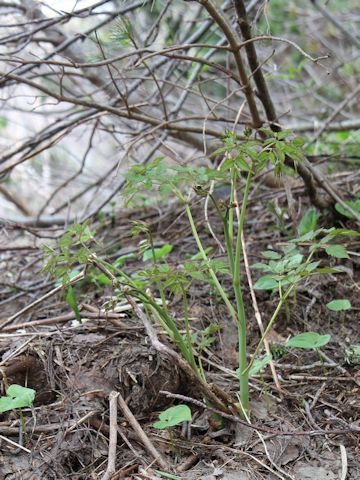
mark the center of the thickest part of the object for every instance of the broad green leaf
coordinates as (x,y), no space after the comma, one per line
(308,340)
(339,305)
(355,205)
(308,222)
(120,261)
(71,300)
(159,253)
(266,282)
(261,266)
(259,365)
(102,279)
(17,397)
(173,416)
(241,162)
(337,251)
(271,255)
(310,267)
(289,248)
(294,261)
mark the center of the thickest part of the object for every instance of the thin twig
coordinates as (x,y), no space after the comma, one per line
(75,279)
(14,444)
(344,462)
(149,446)
(110,470)
(257,312)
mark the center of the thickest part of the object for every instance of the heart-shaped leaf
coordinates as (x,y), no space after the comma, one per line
(339,305)
(308,340)
(173,416)
(16,397)
(259,365)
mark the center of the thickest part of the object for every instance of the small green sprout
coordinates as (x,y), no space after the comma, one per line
(308,221)
(173,416)
(17,397)
(339,305)
(353,354)
(308,340)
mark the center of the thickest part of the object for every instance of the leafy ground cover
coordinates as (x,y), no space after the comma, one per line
(75,349)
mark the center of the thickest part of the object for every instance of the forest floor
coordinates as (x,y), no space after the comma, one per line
(74,366)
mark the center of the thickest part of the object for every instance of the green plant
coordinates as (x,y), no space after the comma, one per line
(173,416)
(308,221)
(339,305)
(292,266)
(352,354)
(17,397)
(259,364)
(242,160)
(354,204)
(308,341)
(63,262)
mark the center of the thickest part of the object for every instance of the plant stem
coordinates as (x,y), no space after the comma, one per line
(188,332)
(231,210)
(211,271)
(270,324)
(243,371)
(158,283)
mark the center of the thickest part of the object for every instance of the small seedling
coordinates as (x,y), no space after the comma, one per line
(353,354)
(259,365)
(308,341)
(339,305)
(173,416)
(16,397)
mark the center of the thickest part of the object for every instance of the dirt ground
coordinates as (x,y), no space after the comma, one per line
(307,430)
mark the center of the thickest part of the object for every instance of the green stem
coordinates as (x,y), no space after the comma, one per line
(160,320)
(167,319)
(205,258)
(243,371)
(228,237)
(157,282)
(270,324)
(232,201)
(188,332)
